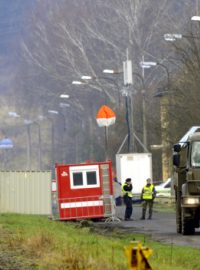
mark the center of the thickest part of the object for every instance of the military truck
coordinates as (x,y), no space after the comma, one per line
(186,179)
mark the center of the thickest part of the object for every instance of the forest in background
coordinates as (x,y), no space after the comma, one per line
(48,44)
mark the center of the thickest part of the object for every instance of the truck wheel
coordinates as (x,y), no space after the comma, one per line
(178,213)
(187,225)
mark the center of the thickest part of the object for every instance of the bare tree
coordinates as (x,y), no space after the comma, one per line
(68,39)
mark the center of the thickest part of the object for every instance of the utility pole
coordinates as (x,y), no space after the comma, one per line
(144,110)
(128,81)
(28,166)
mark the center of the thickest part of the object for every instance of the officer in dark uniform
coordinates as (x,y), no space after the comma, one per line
(127,197)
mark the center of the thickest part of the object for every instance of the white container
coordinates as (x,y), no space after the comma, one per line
(137,166)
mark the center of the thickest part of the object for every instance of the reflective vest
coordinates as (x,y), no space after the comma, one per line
(124,192)
(148,192)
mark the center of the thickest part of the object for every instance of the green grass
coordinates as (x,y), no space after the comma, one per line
(45,244)
(164,207)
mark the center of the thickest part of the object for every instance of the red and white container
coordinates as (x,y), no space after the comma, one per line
(84,191)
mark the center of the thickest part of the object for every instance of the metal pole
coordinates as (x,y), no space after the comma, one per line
(131,123)
(28,147)
(63,135)
(106,143)
(52,143)
(127,120)
(39,145)
(144,127)
(128,81)
(144,109)
(91,134)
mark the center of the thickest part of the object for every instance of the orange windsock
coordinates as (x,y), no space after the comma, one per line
(105,116)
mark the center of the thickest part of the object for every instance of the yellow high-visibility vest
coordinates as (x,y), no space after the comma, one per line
(148,192)
(124,192)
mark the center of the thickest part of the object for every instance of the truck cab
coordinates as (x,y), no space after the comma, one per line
(186,178)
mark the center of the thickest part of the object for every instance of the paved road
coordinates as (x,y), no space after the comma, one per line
(162,227)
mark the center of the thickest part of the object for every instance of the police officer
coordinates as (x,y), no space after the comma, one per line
(127,197)
(147,196)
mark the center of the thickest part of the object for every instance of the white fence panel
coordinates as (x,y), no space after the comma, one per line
(25,192)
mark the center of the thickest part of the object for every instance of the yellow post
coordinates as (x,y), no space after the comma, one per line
(137,256)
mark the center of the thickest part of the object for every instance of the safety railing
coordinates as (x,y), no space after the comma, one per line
(85,207)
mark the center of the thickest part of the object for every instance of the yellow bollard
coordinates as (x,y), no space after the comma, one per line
(138,256)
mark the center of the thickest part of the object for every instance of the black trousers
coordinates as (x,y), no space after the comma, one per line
(129,207)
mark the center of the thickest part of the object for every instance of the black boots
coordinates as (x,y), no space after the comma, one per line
(143,214)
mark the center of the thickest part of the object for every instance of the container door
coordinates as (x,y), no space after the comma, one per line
(106,177)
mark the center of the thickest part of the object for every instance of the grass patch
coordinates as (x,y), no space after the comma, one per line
(164,207)
(58,246)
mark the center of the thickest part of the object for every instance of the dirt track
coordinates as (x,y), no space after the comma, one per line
(161,227)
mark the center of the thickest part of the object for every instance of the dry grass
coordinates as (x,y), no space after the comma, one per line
(39,244)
